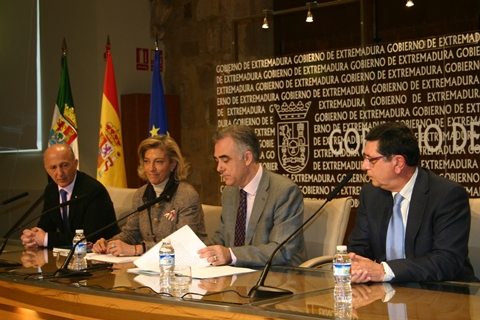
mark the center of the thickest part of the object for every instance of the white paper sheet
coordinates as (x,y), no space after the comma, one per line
(186,244)
(110,258)
(201,273)
(218,271)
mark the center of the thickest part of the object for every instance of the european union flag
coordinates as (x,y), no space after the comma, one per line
(158,111)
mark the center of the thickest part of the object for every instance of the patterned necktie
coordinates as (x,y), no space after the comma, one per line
(240,225)
(395,233)
(66,227)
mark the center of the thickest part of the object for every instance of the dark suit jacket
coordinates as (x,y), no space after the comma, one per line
(90,213)
(436,239)
(277,212)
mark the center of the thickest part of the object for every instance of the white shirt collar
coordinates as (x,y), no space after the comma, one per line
(407,190)
(252,186)
(68,188)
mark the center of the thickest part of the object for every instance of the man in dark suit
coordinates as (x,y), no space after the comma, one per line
(91,213)
(273,207)
(434,216)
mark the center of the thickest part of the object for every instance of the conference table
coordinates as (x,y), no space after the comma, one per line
(28,291)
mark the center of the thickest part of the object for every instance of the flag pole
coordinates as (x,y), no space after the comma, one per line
(64,47)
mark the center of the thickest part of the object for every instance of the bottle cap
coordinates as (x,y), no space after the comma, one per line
(166,240)
(79,231)
(341,248)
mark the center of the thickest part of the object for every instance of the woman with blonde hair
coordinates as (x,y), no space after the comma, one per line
(163,166)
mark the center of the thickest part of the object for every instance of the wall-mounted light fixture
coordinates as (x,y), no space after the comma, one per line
(309,14)
(409,3)
(266,13)
(265,20)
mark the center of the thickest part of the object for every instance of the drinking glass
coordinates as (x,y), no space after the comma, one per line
(181,280)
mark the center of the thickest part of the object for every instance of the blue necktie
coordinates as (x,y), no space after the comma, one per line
(66,227)
(240,225)
(395,233)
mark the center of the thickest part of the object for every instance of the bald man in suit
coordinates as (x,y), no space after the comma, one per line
(91,213)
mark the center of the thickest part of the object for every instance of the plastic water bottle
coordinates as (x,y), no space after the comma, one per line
(166,256)
(343,307)
(81,248)
(342,293)
(341,266)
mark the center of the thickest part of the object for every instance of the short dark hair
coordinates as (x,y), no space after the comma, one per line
(396,138)
(244,137)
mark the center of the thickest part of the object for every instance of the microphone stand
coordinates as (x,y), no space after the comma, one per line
(64,272)
(260,290)
(4,263)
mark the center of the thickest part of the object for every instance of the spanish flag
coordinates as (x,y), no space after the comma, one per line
(111,162)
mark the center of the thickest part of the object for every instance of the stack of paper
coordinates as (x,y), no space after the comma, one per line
(186,244)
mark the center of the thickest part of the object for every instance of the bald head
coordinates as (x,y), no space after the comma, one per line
(60,164)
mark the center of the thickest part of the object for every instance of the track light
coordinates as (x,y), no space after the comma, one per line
(265,23)
(309,15)
(309,6)
(409,3)
(266,12)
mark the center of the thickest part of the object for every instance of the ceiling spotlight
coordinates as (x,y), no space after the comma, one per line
(266,12)
(265,23)
(309,15)
(409,3)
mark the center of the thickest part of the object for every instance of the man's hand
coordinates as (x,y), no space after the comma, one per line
(33,238)
(363,295)
(215,284)
(217,255)
(33,258)
(364,269)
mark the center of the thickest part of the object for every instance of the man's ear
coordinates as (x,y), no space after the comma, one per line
(399,162)
(248,157)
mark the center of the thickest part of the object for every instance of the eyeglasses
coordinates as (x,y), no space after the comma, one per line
(373,160)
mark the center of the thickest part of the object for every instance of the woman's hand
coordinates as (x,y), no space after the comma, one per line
(100,246)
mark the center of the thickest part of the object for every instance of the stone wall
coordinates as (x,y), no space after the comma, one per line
(199,35)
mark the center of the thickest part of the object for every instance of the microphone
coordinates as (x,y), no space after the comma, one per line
(4,263)
(25,215)
(64,272)
(260,290)
(61,205)
(18,196)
